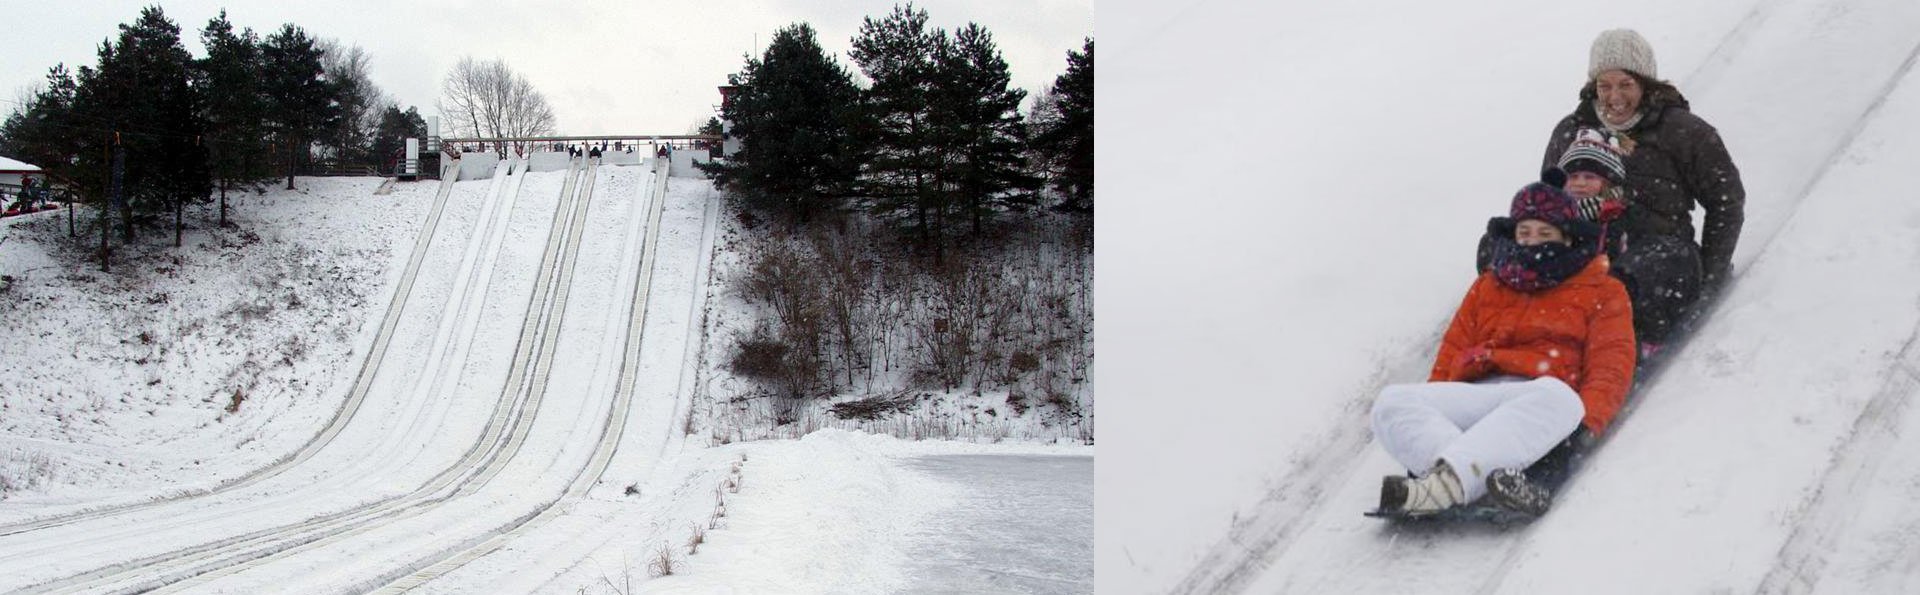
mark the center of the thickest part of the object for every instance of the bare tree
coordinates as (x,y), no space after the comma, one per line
(361,102)
(490,99)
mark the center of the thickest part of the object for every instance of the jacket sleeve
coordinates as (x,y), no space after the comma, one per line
(1714,183)
(1558,142)
(1462,334)
(1609,358)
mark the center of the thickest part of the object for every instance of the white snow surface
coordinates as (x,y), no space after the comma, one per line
(1352,153)
(120,389)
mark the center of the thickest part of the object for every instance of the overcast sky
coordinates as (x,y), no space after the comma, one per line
(606,67)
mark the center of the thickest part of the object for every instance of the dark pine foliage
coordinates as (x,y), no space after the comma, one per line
(235,105)
(390,136)
(899,178)
(982,134)
(1063,139)
(797,156)
(947,139)
(302,104)
(139,99)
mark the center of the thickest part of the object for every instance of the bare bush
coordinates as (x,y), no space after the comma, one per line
(694,540)
(845,309)
(24,473)
(662,563)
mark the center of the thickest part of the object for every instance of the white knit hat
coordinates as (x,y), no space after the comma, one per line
(1622,49)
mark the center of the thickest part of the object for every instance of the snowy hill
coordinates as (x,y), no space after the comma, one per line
(463,386)
(1366,147)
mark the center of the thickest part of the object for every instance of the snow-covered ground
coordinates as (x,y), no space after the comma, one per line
(1353,154)
(442,410)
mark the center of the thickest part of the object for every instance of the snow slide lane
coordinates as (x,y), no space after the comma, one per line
(329,486)
(1782,177)
(368,367)
(293,504)
(571,381)
(517,397)
(650,456)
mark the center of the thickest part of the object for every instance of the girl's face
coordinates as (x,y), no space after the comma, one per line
(1534,232)
(1618,96)
(1585,184)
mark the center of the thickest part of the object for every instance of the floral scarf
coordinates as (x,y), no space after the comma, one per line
(1543,266)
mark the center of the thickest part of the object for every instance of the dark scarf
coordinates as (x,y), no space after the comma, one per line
(1535,268)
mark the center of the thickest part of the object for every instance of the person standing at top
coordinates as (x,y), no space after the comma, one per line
(1674,160)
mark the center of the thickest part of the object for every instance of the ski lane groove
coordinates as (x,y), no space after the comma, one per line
(1270,529)
(1803,558)
(59,544)
(1794,551)
(611,430)
(698,296)
(476,468)
(312,528)
(369,366)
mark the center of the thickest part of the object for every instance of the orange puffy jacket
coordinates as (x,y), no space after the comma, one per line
(1580,331)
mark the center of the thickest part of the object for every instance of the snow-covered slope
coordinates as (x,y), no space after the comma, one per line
(1370,143)
(515,417)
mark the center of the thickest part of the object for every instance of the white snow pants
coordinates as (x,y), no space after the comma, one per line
(1505,423)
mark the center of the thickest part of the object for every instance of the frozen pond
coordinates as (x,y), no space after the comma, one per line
(1023,524)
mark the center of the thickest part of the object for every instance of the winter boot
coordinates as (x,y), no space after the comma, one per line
(1510,489)
(1438,491)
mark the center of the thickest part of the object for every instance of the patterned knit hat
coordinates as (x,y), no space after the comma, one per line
(1591,152)
(1544,202)
(1622,49)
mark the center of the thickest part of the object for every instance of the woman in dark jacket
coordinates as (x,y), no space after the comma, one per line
(1674,160)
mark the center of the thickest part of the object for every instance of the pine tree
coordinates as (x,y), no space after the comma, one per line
(1064,137)
(798,157)
(900,177)
(302,103)
(141,93)
(395,127)
(235,108)
(980,129)
(43,131)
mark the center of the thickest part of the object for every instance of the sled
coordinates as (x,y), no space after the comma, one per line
(1559,465)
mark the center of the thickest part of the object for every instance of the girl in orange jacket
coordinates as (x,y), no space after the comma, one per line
(1541,345)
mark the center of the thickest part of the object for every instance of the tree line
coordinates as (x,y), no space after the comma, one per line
(934,143)
(162,129)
